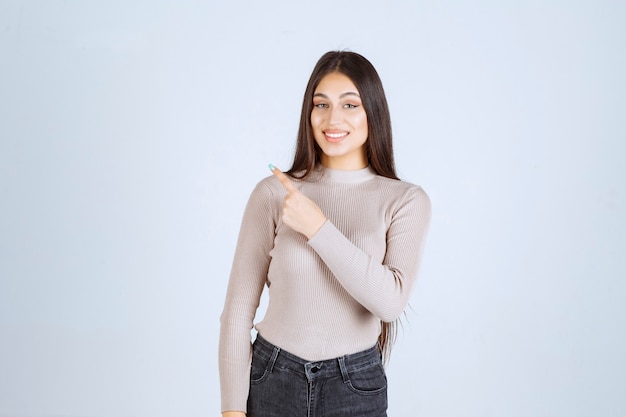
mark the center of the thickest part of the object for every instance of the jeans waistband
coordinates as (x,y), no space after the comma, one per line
(343,365)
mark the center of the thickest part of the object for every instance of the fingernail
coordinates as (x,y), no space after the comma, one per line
(271,167)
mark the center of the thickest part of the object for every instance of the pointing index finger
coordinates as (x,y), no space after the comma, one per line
(284,179)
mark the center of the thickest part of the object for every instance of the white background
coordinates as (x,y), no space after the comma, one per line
(132,133)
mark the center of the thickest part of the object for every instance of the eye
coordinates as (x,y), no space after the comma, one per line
(320,105)
(350,106)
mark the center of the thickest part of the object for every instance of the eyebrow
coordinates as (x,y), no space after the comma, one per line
(349,93)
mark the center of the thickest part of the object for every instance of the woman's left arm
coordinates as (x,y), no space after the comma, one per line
(384,288)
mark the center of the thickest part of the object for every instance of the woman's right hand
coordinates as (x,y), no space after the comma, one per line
(233,414)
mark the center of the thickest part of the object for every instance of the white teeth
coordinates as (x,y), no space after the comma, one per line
(336,135)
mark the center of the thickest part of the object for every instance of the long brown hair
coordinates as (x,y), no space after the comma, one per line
(379,147)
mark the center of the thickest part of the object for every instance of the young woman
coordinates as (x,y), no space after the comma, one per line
(338,240)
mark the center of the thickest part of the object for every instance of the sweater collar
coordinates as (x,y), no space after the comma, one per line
(355,176)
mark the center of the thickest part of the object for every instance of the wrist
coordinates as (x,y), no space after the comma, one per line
(316,229)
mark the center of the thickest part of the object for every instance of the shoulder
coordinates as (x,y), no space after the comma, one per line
(265,193)
(404,195)
(271,186)
(401,187)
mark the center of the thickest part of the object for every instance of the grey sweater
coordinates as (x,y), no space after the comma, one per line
(327,295)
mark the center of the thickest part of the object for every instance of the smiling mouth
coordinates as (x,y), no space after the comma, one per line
(335,137)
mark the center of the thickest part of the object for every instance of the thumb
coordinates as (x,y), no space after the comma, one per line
(284,179)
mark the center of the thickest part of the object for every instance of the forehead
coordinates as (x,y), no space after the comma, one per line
(335,83)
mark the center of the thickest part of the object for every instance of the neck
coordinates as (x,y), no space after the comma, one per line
(346,176)
(344,164)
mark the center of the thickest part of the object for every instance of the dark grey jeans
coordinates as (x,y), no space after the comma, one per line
(284,385)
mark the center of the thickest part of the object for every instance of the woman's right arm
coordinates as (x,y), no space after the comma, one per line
(247,280)
(233,414)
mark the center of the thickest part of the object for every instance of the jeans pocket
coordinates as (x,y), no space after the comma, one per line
(259,369)
(368,381)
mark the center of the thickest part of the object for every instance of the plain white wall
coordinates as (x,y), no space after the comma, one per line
(132,133)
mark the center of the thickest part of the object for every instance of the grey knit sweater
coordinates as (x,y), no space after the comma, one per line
(327,295)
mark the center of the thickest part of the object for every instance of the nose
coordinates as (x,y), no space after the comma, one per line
(336,116)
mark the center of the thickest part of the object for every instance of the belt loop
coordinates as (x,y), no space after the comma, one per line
(272,361)
(344,371)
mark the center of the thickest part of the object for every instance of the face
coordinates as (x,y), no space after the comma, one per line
(339,123)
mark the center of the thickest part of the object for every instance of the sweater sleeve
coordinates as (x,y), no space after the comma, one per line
(383,288)
(247,279)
